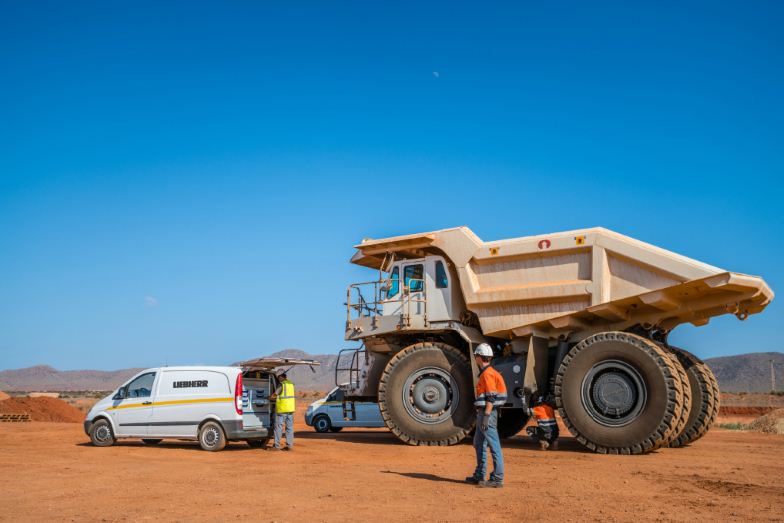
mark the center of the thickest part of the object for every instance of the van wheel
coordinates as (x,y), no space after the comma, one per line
(322,423)
(336,429)
(149,441)
(211,437)
(101,434)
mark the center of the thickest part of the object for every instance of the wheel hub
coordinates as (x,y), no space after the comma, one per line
(210,437)
(613,393)
(102,434)
(430,395)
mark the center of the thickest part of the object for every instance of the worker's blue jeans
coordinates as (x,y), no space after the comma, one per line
(288,419)
(483,440)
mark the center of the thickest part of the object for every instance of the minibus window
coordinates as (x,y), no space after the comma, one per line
(141,387)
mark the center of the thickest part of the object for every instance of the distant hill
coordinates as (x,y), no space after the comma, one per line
(46,378)
(742,373)
(748,372)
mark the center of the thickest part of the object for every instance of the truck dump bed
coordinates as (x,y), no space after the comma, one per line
(588,280)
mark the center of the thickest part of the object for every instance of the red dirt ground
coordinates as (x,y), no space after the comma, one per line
(50,471)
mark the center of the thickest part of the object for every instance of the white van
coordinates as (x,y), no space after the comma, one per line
(213,405)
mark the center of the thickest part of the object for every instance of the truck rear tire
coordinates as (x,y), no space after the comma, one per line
(705,398)
(426,395)
(619,393)
(511,421)
(683,417)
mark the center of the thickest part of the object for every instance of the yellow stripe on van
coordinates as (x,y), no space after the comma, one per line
(172,402)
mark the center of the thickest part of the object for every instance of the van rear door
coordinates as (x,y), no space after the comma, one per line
(257,387)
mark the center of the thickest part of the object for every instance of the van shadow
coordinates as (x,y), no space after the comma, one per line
(175,444)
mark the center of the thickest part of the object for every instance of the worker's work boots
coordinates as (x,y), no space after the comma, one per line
(491,483)
(544,444)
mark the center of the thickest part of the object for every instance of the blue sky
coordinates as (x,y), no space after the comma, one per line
(183,183)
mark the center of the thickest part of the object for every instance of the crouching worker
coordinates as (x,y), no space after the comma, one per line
(490,396)
(546,431)
(284,412)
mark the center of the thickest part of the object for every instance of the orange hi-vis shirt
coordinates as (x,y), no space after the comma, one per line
(490,388)
(545,415)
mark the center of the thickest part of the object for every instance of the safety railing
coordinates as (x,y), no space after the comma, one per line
(359,306)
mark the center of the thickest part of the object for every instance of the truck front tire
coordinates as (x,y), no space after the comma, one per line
(426,395)
(619,393)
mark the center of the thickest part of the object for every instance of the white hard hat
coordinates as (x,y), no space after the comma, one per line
(483,349)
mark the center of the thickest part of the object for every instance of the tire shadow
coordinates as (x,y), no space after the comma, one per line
(361,437)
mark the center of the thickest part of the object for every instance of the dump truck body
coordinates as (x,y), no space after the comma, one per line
(579,316)
(575,282)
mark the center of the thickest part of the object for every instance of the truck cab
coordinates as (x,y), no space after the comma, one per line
(410,294)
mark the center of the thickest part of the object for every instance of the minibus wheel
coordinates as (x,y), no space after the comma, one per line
(211,436)
(101,433)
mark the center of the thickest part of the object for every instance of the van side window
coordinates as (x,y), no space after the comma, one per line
(413,277)
(141,387)
(394,286)
(442,282)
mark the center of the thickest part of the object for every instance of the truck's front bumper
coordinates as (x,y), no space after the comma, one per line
(235,430)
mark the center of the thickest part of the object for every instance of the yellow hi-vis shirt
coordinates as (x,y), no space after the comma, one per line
(285,401)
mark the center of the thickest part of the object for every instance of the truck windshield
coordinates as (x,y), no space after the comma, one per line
(394,286)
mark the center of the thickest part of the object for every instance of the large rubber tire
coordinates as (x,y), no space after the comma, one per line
(682,417)
(655,408)
(430,365)
(705,398)
(511,422)
(212,437)
(101,433)
(322,423)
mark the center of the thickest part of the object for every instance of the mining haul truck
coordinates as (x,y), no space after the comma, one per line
(580,317)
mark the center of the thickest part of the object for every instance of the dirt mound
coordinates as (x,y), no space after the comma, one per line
(42,409)
(772,423)
(3,396)
(745,411)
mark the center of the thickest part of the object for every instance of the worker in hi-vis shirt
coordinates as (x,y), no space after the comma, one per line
(284,412)
(490,396)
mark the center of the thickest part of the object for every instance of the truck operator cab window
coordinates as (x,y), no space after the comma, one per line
(394,285)
(413,277)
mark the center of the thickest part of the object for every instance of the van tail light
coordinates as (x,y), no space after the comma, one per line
(238,394)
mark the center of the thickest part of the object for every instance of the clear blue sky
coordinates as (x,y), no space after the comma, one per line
(184,183)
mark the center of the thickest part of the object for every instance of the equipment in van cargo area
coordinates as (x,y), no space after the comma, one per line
(212,405)
(581,316)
